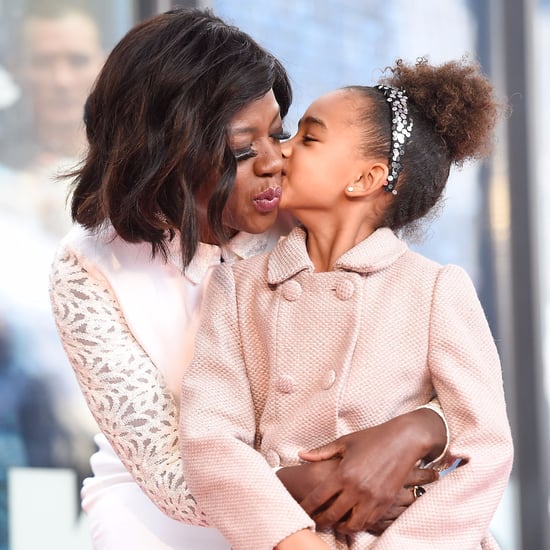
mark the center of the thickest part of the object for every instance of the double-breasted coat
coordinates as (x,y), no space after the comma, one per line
(287,358)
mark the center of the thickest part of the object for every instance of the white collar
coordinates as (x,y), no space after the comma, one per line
(241,246)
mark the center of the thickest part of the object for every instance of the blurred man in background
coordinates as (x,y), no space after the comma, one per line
(58,58)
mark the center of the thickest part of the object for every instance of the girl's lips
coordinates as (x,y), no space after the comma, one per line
(268,200)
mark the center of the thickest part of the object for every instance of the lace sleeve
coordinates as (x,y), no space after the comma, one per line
(124,390)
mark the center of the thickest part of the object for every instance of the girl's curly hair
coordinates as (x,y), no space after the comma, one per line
(454,112)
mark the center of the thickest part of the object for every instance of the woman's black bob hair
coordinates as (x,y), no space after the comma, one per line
(156,122)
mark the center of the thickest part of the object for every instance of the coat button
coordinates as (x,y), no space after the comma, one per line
(273,459)
(292,290)
(286,384)
(328,379)
(344,289)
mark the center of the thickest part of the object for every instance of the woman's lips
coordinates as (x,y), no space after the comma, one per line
(268,200)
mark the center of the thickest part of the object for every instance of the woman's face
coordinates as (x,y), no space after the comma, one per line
(323,158)
(255,134)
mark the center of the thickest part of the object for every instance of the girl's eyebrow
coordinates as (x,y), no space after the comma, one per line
(312,120)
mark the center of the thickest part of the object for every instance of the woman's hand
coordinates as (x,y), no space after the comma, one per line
(362,488)
(303,479)
(405,497)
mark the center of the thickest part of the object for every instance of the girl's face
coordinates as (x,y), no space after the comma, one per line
(255,134)
(323,158)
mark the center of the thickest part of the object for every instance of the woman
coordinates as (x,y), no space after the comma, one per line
(384,327)
(183,171)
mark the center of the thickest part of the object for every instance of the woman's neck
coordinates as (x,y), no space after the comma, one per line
(206,235)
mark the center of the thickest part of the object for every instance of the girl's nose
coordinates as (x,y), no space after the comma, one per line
(286,148)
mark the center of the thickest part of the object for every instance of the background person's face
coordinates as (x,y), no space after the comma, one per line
(61,59)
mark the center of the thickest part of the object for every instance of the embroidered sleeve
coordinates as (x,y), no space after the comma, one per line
(124,390)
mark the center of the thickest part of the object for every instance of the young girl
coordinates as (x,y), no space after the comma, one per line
(341,326)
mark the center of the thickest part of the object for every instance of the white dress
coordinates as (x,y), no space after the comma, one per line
(127,322)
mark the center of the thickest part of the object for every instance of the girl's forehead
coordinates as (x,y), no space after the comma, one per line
(335,106)
(329,98)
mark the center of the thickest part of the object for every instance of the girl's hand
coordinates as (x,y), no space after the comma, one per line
(302,540)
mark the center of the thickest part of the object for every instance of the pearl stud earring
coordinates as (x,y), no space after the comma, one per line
(350,189)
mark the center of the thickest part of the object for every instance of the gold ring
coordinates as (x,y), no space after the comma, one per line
(417,491)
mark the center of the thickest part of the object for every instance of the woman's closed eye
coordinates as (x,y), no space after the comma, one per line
(281,136)
(249,152)
(245,154)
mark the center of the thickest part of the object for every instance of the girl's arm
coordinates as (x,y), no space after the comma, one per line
(466,373)
(123,388)
(232,482)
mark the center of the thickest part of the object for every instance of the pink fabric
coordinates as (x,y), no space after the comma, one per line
(287,359)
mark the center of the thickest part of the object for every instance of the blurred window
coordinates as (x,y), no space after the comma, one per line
(50,54)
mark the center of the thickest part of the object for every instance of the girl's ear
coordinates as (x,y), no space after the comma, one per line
(369,181)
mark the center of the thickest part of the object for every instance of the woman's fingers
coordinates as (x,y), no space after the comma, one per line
(421,476)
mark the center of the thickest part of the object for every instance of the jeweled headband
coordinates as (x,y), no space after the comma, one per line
(401,128)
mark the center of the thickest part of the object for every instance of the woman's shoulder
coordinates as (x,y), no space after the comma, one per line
(82,242)
(117,264)
(103,239)
(103,247)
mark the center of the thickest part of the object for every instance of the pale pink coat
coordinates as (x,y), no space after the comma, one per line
(288,359)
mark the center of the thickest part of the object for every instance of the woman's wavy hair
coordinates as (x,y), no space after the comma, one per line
(157,120)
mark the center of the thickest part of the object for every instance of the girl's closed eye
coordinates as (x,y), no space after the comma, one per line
(308,139)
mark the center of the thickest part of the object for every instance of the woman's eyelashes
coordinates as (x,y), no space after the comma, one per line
(245,154)
(249,152)
(281,136)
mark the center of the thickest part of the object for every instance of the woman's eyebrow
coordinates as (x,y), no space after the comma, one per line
(236,130)
(240,130)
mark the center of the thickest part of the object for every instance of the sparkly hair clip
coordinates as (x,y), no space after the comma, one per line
(401,128)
